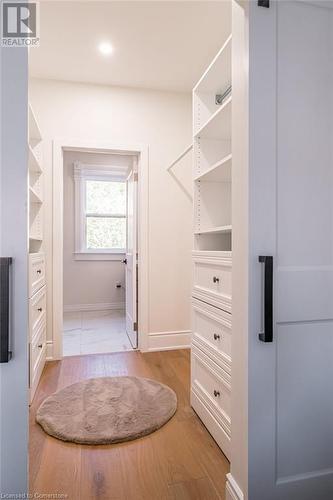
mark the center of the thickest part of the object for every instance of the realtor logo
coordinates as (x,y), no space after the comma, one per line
(19,27)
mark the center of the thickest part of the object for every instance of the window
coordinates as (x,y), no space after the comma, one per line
(105,215)
(100,210)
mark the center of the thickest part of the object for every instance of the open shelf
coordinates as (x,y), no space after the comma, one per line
(34,132)
(219,172)
(217,76)
(35,237)
(215,230)
(34,165)
(212,242)
(218,126)
(34,197)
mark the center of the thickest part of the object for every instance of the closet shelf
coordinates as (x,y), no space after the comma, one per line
(219,172)
(35,237)
(215,230)
(34,132)
(217,76)
(34,197)
(218,126)
(34,165)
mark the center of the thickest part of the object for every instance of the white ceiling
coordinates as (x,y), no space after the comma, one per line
(158,45)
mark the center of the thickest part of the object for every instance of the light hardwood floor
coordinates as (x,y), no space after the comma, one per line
(179,461)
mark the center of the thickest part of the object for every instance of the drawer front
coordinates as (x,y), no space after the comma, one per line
(37,310)
(210,382)
(37,351)
(212,281)
(212,333)
(36,272)
(220,432)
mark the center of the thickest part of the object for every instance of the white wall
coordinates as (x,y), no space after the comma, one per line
(163,122)
(87,281)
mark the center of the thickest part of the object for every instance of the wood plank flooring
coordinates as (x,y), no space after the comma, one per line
(180,461)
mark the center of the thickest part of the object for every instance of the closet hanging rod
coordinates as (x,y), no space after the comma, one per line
(180,157)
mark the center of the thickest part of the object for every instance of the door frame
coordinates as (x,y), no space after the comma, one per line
(61,145)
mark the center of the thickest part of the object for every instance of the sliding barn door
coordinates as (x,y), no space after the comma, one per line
(13,272)
(131,257)
(291,219)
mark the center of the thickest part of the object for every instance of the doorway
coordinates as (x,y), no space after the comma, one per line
(96,306)
(100,225)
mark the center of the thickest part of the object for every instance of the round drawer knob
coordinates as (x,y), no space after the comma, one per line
(39,271)
(217,336)
(40,309)
(216,279)
(40,346)
(216,393)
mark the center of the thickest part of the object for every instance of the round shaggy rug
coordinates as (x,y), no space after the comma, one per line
(107,410)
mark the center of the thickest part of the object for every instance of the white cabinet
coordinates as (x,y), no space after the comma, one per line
(37,353)
(212,278)
(211,332)
(36,272)
(37,310)
(211,355)
(37,280)
(211,397)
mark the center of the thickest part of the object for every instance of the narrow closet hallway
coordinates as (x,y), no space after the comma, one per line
(166,268)
(131,348)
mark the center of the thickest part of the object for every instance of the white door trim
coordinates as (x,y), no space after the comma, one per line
(59,146)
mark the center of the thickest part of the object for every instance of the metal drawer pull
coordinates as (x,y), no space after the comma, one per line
(216,336)
(216,279)
(39,271)
(217,393)
(40,309)
(40,346)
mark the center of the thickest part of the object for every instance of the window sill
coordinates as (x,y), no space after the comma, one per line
(115,256)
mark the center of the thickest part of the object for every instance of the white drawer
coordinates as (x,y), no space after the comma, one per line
(37,310)
(212,279)
(212,421)
(36,272)
(213,384)
(37,357)
(211,329)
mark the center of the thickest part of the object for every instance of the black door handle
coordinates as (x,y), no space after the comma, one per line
(124,261)
(267,334)
(5,354)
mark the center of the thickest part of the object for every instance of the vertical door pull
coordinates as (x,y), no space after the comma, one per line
(267,334)
(5,354)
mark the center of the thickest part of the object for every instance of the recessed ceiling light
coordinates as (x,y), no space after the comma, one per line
(105,48)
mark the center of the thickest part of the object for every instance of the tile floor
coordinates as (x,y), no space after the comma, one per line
(94,332)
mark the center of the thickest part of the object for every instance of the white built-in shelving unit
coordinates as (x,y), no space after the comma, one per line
(212,256)
(37,281)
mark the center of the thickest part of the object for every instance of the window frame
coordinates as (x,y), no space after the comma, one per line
(83,173)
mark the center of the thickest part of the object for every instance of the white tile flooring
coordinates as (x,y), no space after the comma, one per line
(94,332)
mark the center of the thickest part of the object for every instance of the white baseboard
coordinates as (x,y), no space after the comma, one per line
(167,341)
(233,491)
(94,307)
(159,341)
